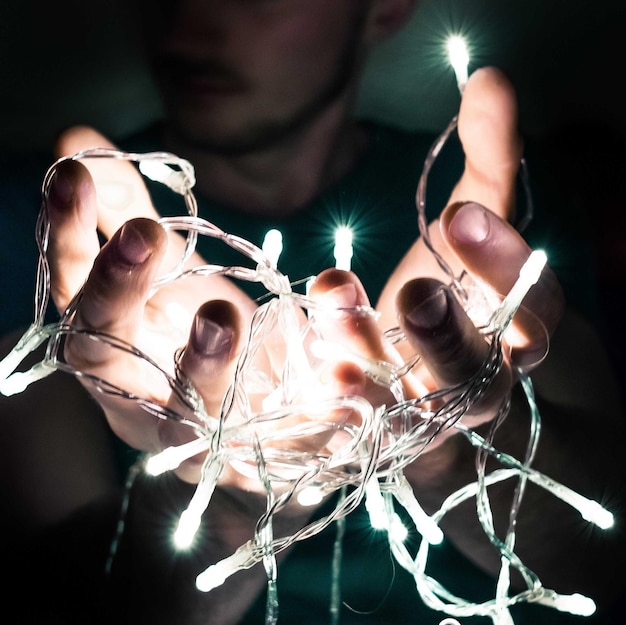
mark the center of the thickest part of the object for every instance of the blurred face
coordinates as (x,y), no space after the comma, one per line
(240,75)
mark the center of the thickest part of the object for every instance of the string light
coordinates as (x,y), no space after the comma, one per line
(309,477)
(375,446)
(273,245)
(458,55)
(343,248)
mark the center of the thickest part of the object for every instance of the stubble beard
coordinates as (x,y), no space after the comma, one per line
(266,134)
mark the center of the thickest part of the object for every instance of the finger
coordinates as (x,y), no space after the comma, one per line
(73,243)
(115,293)
(487,127)
(209,356)
(208,362)
(494,252)
(337,380)
(451,347)
(122,195)
(337,292)
(339,295)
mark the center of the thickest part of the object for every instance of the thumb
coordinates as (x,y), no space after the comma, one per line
(487,128)
(122,194)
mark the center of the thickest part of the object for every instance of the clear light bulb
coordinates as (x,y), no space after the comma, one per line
(273,245)
(343,248)
(310,496)
(188,525)
(216,574)
(459,59)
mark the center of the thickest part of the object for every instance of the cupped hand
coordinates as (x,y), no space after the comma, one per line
(474,237)
(116,297)
(116,283)
(192,329)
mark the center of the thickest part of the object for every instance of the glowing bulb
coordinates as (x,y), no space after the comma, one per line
(190,518)
(310,496)
(375,505)
(17,382)
(343,248)
(213,577)
(425,525)
(528,276)
(459,59)
(188,525)
(155,170)
(593,512)
(577,604)
(273,245)
(177,180)
(398,529)
(218,573)
(532,268)
(580,605)
(172,457)
(309,284)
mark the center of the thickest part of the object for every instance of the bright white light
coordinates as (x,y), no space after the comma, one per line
(398,529)
(310,496)
(532,268)
(581,605)
(18,381)
(213,577)
(218,573)
(188,525)
(425,525)
(375,506)
(156,170)
(597,514)
(459,59)
(343,248)
(528,276)
(175,179)
(180,317)
(273,245)
(577,604)
(191,518)
(172,457)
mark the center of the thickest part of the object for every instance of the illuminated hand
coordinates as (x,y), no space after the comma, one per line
(473,235)
(115,298)
(116,301)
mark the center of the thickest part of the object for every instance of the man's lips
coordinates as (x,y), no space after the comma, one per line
(200,78)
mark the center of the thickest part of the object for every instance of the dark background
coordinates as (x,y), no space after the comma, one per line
(76,61)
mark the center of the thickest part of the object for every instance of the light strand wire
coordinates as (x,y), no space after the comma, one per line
(264,444)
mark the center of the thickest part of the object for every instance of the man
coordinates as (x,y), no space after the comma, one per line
(258,97)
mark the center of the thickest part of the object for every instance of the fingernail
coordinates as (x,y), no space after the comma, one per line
(132,246)
(61,192)
(346,295)
(431,314)
(210,338)
(343,296)
(470,224)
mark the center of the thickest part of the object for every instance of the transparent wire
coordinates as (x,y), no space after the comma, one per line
(266,444)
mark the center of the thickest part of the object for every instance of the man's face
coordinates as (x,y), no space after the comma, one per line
(239,75)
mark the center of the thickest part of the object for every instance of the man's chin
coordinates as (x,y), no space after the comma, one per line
(226,137)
